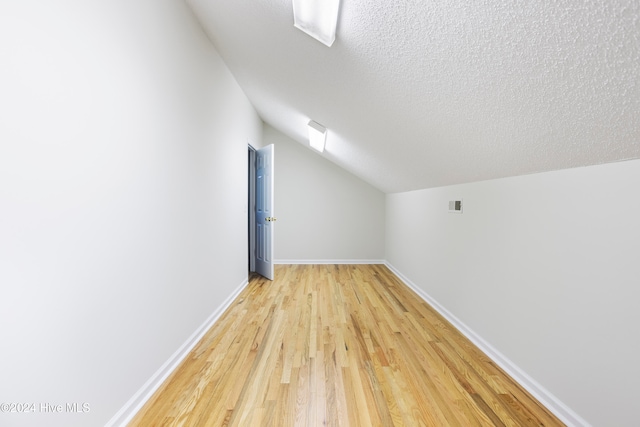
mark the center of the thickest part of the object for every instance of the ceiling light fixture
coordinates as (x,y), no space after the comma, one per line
(317,136)
(318,18)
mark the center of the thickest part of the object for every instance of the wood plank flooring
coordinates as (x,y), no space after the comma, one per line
(337,345)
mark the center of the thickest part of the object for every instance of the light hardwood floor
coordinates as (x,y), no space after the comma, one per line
(337,345)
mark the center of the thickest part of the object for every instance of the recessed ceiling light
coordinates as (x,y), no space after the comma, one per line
(317,136)
(318,18)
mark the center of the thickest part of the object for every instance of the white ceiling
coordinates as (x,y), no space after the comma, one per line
(419,94)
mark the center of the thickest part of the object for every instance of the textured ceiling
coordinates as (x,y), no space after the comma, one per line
(419,94)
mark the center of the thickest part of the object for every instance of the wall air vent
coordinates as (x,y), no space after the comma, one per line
(455,206)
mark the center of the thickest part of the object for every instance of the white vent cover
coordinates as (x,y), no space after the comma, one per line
(455,206)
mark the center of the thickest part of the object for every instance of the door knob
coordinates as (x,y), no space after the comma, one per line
(270,219)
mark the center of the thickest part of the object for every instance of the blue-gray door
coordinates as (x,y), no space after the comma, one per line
(264,211)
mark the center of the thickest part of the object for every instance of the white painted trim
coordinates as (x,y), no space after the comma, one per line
(137,401)
(544,396)
(329,261)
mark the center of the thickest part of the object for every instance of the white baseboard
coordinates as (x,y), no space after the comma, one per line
(328,261)
(137,401)
(559,409)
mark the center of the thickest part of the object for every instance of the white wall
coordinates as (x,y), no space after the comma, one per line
(545,268)
(324,213)
(122,197)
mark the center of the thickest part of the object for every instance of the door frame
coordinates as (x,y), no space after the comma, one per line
(260,259)
(251,208)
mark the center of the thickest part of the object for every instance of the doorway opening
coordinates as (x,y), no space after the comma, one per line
(260,225)
(251,208)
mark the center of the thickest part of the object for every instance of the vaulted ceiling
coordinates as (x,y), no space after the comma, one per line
(420,94)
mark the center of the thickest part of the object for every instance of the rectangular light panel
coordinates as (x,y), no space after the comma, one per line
(318,18)
(317,136)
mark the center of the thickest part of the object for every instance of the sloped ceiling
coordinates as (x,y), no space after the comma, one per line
(419,94)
